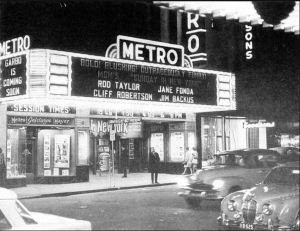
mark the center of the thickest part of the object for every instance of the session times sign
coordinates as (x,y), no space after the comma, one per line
(101,78)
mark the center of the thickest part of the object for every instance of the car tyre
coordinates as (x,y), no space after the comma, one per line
(193,202)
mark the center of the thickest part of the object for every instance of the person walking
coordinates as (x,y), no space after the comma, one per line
(195,160)
(124,160)
(154,165)
(2,168)
(188,161)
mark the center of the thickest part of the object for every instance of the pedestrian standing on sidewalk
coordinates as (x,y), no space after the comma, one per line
(154,165)
(124,160)
(2,168)
(195,160)
(188,161)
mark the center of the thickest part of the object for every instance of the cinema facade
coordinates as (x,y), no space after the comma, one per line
(64,115)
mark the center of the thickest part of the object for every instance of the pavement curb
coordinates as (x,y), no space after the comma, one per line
(62,194)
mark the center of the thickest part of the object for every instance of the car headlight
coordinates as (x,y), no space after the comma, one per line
(267,209)
(193,177)
(218,184)
(182,181)
(231,205)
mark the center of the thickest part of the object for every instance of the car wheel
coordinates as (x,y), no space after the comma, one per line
(234,189)
(297,223)
(193,202)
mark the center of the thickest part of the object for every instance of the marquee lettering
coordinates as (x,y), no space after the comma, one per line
(15,45)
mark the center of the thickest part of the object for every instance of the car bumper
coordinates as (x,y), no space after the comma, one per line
(203,195)
(238,225)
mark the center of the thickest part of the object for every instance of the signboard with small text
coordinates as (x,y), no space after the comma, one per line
(36,120)
(101,78)
(13,76)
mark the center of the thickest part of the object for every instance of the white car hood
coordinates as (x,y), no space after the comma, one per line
(53,222)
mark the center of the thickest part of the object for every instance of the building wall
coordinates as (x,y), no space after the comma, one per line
(3,127)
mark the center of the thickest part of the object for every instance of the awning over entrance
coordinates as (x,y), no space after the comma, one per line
(279,15)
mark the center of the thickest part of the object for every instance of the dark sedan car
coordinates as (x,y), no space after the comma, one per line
(287,153)
(230,171)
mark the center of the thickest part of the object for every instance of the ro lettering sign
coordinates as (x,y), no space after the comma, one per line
(193,38)
(149,51)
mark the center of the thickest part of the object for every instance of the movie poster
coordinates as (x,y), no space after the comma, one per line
(62,151)
(47,151)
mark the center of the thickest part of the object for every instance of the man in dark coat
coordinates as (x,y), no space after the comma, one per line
(154,164)
(124,160)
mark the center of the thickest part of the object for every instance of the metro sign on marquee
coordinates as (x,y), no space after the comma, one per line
(149,51)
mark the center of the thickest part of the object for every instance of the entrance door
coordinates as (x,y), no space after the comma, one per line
(30,160)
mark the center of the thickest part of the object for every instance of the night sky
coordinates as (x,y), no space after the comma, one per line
(267,85)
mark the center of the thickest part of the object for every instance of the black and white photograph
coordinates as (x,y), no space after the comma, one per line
(149,115)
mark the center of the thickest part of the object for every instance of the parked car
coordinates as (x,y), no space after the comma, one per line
(288,153)
(272,205)
(230,171)
(15,216)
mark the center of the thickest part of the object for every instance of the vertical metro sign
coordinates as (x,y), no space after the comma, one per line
(193,38)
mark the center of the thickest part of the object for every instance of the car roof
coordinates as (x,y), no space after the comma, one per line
(247,151)
(6,194)
(282,150)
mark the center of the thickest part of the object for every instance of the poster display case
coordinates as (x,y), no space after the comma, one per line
(177,146)
(62,151)
(157,141)
(83,150)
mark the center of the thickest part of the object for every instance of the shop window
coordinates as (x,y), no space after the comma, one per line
(191,140)
(17,153)
(55,152)
(235,133)
(83,150)
(211,136)
(253,137)
(176,146)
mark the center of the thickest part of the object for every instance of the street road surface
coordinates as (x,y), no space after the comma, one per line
(153,208)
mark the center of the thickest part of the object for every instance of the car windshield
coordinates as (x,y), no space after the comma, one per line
(24,213)
(283,175)
(223,159)
(4,224)
(246,160)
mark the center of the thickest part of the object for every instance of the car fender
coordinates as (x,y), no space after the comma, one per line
(230,182)
(289,210)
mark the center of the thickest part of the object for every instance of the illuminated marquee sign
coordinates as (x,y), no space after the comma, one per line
(136,113)
(15,45)
(101,78)
(34,120)
(259,125)
(13,76)
(125,128)
(149,51)
(41,108)
(248,41)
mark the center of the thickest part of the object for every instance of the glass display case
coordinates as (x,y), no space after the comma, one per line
(18,155)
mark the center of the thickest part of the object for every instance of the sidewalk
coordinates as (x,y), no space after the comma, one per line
(96,184)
